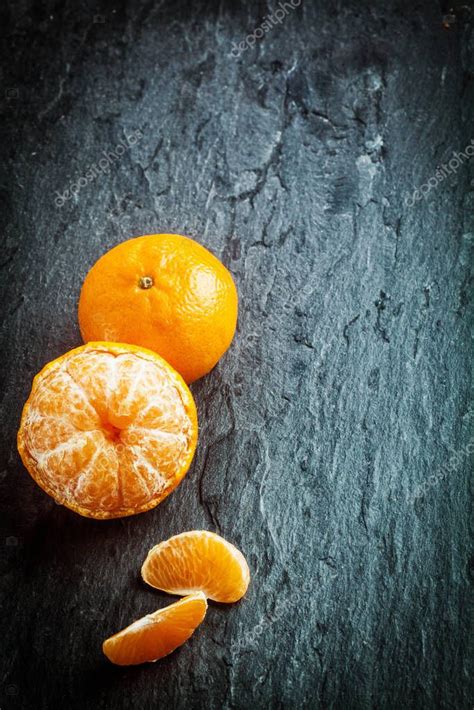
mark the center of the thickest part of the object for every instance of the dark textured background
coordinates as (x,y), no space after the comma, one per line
(347,384)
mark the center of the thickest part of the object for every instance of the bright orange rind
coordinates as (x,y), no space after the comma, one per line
(165,292)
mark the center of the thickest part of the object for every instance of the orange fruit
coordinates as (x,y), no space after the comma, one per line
(156,635)
(108,430)
(164,292)
(198,560)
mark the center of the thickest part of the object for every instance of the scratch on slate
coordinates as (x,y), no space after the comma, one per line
(202,498)
(362,517)
(425,306)
(329,561)
(153,157)
(397,237)
(380,306)
(262,502)
(345,332)
(54,101)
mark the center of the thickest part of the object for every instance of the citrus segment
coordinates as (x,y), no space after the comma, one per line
(198,560)
(108,430)
(156,635)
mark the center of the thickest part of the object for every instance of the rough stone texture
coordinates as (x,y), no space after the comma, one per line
(347,384)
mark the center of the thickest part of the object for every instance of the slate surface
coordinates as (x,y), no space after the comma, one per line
(347,385)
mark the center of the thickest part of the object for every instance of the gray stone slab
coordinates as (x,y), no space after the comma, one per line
(334,434)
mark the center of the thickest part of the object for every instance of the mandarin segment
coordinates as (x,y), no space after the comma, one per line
(108,430)
(96,383)
(156,635)
(165,292)
(76,408)
(198,560)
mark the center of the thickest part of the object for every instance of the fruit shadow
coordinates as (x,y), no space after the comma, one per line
(59,535)
(102,678)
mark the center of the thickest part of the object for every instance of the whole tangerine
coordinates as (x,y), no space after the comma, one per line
(164,292)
